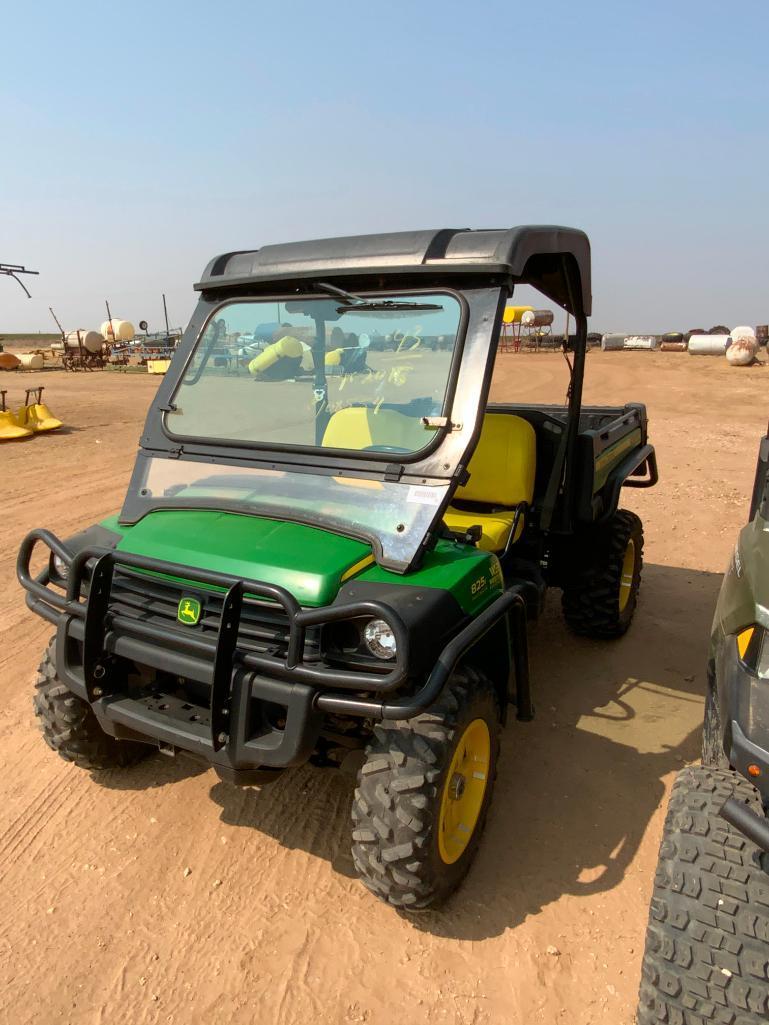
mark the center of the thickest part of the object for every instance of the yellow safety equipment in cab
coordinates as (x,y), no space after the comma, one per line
(359,427)
(334,357)
(287,346)
(502,473)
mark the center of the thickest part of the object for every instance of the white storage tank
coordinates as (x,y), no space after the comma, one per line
(708,345)
(641,342)
(743,332)
(537,318)
(117,330)
(31,360)
(92,341)
(613,341)
(741,352)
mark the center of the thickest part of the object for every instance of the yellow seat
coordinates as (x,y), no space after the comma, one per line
(360,427)
(501,479)
(496,527)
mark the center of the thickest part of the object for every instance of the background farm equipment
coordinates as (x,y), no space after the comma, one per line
(34,417)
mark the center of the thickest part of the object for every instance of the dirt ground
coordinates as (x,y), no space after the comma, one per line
(161,895)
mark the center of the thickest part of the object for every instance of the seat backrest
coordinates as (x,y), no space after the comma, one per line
(360,427)
(503,465)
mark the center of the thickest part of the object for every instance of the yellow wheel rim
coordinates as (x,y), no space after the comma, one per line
(626,580)
(463,791)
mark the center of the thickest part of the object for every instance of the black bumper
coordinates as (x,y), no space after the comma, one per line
(244,741)
(264,709)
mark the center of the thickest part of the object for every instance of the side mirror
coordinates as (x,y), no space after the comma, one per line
(142,325)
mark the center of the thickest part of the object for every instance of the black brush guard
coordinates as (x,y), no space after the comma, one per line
(227,735)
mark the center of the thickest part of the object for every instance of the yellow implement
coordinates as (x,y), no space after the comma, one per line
(36,416)
(513,314)
(9,427)
(158,366)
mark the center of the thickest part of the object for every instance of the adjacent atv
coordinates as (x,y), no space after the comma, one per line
(341,566)
(707,945)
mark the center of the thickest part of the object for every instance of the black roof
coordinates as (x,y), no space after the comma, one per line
(553,259)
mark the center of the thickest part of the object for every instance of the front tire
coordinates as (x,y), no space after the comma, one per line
(70,727)
(707,944)
(600,592)
(423,795)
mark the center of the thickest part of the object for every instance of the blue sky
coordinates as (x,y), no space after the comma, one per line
(140,139)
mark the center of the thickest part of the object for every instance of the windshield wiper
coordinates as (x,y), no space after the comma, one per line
(386,306)
(356,302)
(332,290)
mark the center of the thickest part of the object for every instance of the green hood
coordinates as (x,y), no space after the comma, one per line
(251,547)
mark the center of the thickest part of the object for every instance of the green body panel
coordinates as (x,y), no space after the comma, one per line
(609,458)
(473,577)
(310,563)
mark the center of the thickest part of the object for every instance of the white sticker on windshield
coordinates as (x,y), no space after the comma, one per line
(424,495)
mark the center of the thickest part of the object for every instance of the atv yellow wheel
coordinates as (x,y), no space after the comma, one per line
(463,791)
(626,580)
(602,577)
(424,792)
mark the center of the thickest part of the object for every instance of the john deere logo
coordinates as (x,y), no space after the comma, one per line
(188,611)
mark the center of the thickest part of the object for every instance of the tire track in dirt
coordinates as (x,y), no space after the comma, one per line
(22,832)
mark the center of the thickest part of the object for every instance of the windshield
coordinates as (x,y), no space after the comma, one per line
(318,372)
(393,516)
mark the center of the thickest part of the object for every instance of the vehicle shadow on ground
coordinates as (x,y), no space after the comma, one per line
(156,770)
(576,788)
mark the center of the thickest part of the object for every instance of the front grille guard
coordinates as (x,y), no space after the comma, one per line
(223,652)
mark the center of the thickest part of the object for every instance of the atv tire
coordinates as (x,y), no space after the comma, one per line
(707,944)
(402,825)
(70,727)
(713,754)
(600,592)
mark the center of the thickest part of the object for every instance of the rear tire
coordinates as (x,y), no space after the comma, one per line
(402,834)
(70,727)
(600,592)
(707,944)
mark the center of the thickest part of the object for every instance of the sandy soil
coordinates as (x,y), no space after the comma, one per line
(101,922)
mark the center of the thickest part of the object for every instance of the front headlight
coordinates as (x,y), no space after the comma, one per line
(60,568)
(380,640)
(354,641)
(753,649)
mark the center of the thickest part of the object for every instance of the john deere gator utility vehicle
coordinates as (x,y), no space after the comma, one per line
(707,945)
(326,566)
